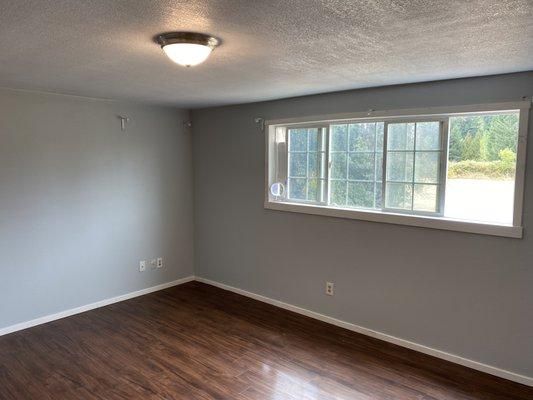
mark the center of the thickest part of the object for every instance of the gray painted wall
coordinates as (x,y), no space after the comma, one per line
(82,202)
(466,294)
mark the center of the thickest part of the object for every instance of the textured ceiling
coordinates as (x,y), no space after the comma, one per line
(271,48)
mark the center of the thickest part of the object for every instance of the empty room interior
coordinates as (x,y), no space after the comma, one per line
(266,200)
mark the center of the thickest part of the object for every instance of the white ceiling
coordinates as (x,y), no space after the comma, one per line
(271,48)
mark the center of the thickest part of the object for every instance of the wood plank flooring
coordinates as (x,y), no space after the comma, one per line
(195,341)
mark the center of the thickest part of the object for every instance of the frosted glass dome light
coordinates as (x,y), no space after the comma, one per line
(187,54)
(187,48)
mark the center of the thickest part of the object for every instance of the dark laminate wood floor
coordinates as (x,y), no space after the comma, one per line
(198,342)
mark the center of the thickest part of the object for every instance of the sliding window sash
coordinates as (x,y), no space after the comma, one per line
(441,172)
(322,153)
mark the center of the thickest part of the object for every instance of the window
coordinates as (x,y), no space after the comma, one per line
(450,169)
(356,165)
(482,167)
(414,164)
(307,154)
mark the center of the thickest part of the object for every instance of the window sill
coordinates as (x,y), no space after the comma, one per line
(400,219)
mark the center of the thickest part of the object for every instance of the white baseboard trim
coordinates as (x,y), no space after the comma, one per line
(525,380)
(67,313)
(324,318)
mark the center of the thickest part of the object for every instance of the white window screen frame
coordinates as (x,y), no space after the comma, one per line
(276,167)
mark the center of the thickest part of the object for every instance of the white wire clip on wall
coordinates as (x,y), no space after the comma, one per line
(123,121)
(260,122)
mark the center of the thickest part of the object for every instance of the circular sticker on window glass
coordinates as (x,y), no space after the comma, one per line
(276,189)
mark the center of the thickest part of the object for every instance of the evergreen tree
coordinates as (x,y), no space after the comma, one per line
(482,137)
(501,134)
(471,147)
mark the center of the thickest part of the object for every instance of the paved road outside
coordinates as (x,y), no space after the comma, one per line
(480,200)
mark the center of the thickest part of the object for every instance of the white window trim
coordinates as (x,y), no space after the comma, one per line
(514,231)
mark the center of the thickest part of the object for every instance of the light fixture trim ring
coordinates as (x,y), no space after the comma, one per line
(203,39)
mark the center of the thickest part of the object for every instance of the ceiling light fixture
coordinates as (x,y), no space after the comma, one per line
(187,48)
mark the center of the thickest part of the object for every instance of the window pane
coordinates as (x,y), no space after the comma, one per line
(338,193)
(378,194)
(482,167)
(427,167)
(408,165)
(380,126)
(379,166)
(362,137)
(428,136)
(361,194)
(306,164)
(313,166)
(298,139)
(298,164)
(400,166)
(425,198)
(313,189)
(339,137)
(401,136)
(399,195)
(338,166)
(313,139)
(361,166)
(354,152)
(297,188)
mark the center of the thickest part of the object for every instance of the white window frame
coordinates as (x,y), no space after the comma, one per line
(514,230)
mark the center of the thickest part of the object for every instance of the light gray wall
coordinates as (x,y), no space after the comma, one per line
(466,294)
(81,203)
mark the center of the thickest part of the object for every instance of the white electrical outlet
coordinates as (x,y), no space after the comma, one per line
(142,266)
(153,263)
(329,288)
(160,262)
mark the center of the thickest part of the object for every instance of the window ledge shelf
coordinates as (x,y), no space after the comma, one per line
(400,219)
